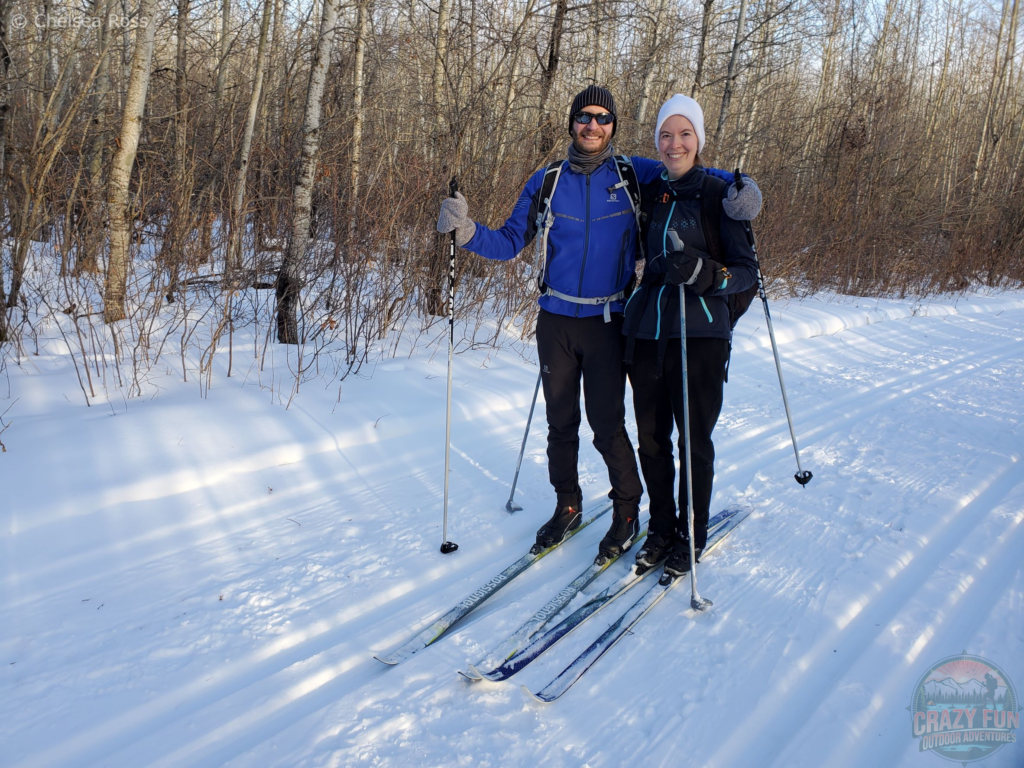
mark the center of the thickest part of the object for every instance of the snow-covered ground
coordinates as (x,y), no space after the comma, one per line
(193,581)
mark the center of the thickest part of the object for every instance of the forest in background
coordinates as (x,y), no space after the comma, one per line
(280,164)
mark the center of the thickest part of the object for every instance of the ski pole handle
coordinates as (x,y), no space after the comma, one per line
(453,189)
(737,179)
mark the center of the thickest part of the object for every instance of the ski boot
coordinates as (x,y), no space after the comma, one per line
(567,517)
(622,534)
(656,547)
(678,562)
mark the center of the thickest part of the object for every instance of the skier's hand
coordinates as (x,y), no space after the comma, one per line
(697,273)
(742,204)
(454,216)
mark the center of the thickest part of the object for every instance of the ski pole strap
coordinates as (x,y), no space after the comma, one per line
(606,300)
(696,271)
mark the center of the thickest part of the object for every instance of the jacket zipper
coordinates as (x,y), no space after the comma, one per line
(664,254)
(664,234)
(664,250)
(586,246)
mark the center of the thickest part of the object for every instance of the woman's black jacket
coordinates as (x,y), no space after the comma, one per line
(652,311)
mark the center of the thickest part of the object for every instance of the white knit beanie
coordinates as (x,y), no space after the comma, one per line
(688,108)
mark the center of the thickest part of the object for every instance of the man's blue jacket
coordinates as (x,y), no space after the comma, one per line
(592,244)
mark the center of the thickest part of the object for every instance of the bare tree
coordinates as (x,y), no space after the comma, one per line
(118,200)
(234,252)
(358,109)
(289,279)
(731,72)
(549,71)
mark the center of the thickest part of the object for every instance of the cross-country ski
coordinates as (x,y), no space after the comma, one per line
(517,660)
(511,645)
(439,626)
(618,629)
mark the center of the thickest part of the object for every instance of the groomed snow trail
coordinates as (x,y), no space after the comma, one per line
(203,582)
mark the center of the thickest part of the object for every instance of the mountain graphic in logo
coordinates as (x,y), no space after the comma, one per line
(970,691)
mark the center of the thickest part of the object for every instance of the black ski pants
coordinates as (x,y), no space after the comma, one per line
(569,348)
(658,403)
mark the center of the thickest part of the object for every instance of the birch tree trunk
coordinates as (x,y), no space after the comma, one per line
(511,62)
(121,166)
(437,82)
(172,249)
(730,77)
(237,225)
(5,108)
(362,23)
(94,214)
(649,64)
(5,121)
(289,279)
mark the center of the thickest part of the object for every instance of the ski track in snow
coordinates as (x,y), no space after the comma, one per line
(194,582)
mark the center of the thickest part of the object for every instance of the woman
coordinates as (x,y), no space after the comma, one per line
(685,244)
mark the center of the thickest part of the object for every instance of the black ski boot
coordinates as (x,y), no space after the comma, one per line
(566,518)
(678,562)
(622,534)
(656,547)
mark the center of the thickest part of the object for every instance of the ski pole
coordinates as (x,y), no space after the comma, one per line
(448,546)
(697,602)
(510,505)
(802,476)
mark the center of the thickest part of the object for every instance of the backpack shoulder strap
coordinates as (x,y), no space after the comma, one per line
(545,218)
(547,190)
(628,179)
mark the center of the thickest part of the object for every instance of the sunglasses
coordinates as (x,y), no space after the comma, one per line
(584,118)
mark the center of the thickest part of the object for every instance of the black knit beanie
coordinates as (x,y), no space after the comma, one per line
(593,96)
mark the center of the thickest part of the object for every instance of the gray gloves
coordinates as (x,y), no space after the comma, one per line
(743,204)
(454,217)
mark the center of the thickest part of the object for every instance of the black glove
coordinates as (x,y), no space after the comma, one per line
(698,273)
(682,268)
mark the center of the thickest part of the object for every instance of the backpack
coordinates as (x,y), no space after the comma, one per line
(711,219)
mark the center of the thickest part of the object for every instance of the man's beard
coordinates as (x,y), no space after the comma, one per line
(583,150)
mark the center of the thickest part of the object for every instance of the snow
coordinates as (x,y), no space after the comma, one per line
(201,577)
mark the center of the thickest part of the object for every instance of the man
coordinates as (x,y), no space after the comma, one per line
(587,259)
